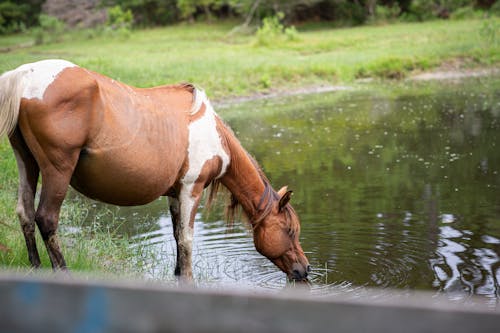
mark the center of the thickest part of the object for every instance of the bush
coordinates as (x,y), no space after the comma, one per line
(149,12)
(272,31)
(421,10)
(386,13)
(50,30)
(495,9)
(12,17)
(467,12)
(119,21)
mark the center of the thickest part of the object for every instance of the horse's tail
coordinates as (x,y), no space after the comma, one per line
(11,90)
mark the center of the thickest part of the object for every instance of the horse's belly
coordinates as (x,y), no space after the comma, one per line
(124,179)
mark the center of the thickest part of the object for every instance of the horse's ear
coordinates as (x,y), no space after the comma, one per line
(282,191)
(285,198)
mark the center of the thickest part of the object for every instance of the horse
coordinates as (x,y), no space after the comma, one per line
(128,146)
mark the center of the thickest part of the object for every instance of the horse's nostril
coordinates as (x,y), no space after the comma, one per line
(299,274)
(308,269)
(299,271)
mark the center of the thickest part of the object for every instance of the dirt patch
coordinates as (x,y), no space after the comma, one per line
(454,74)
(4,248)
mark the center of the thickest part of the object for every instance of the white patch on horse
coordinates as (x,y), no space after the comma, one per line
(204,141)
(39,75)
(186,208)
(204,144)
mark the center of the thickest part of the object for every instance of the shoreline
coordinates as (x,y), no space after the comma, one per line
(439,73)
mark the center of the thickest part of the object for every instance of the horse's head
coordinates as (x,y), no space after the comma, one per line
(276,236)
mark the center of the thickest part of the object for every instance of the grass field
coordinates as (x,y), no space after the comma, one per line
(234,66)
(228,66)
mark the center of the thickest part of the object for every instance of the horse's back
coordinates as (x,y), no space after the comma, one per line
(131,143)
(140,146)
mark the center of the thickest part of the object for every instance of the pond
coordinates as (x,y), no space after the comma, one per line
(396,185)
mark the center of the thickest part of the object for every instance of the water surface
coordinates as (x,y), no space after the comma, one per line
(396,186)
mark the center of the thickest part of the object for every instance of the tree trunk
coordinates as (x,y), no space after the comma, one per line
(248,19)
(370,7)
(208,15)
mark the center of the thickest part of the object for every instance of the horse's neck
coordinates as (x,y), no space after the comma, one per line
(242,177)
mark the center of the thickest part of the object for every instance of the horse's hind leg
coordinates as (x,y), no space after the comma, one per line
(54,187)
(56,166)
(28,177)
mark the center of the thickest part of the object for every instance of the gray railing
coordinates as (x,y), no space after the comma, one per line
(54,304)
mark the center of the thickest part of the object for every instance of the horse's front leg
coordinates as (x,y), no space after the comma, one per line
(183,210)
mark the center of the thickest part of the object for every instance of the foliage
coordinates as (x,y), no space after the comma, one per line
(386,13)
(119,18)
(272,31)
(14,16)
(468,12)
(119,21)
(50,30)
(422,10)
(495,9)
(148,12)
(19,15)
(188,8)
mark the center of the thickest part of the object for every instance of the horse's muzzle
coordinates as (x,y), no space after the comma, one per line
(300,272)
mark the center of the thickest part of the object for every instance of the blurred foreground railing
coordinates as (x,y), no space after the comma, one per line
(53,304)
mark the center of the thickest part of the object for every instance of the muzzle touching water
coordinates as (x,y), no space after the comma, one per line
(300,272)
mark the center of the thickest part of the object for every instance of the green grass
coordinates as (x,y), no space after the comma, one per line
(225,66)
(234,66)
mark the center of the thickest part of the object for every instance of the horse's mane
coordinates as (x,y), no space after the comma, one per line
(268,199)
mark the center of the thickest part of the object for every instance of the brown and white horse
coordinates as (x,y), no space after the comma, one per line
(128,146)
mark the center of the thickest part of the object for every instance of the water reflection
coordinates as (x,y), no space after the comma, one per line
(395,187)
(462,269)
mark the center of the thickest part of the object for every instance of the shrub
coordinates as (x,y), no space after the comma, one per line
(495,9)
(118,18)
(386,13)
(467,12)
(119,21)
(12,17)
(272,31)
(50,30)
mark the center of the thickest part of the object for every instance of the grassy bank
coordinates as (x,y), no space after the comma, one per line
(236,65)
(225,66)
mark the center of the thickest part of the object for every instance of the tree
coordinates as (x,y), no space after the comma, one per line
(14,15)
